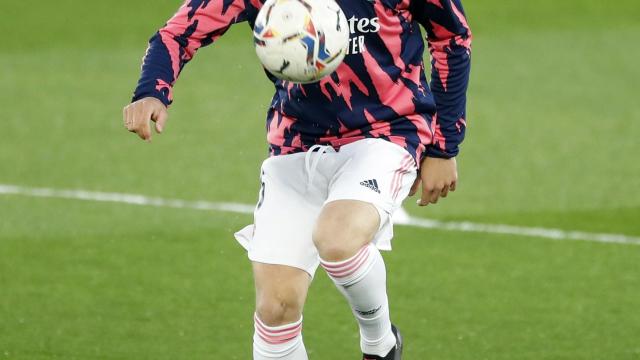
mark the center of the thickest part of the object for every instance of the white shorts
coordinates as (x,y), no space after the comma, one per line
(295,187)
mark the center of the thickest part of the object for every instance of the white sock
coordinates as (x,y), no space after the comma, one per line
(362,279)
(278,342)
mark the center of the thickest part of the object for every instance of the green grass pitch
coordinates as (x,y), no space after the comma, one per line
(554,124)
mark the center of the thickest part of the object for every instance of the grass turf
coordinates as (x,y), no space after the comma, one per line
(552,142)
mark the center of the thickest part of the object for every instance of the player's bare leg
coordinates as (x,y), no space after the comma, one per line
(343,235)
(280,295)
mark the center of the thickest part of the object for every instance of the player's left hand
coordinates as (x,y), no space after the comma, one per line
(438,177)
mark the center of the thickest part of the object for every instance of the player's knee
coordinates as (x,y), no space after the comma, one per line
(278,309)
(331,248)
(331,241)
(343,227)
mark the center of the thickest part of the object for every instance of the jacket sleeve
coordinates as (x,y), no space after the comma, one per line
(197,23)
(449,41)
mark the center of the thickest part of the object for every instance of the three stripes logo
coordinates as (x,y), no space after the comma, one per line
(371,184)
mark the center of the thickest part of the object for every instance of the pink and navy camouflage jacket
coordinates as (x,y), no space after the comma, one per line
(379,91)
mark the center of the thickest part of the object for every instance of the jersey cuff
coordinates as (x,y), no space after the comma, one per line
(434,151)
(154,94)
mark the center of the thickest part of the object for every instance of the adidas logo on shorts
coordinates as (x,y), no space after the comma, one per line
(371,184)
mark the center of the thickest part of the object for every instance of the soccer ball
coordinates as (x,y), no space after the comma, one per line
(301,40)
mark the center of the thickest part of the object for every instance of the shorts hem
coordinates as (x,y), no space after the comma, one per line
(308,270)
(388,209)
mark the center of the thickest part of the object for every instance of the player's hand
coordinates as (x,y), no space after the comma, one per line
(438,177)
(137,116)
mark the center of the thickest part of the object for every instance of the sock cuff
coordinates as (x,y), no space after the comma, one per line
(353,267)
(275,335)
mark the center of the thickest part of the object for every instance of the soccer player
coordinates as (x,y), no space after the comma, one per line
(344,153)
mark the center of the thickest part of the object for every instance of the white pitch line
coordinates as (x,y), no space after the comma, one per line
(133,199)
(400,218)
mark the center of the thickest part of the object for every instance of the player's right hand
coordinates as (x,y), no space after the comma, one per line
(137,116)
